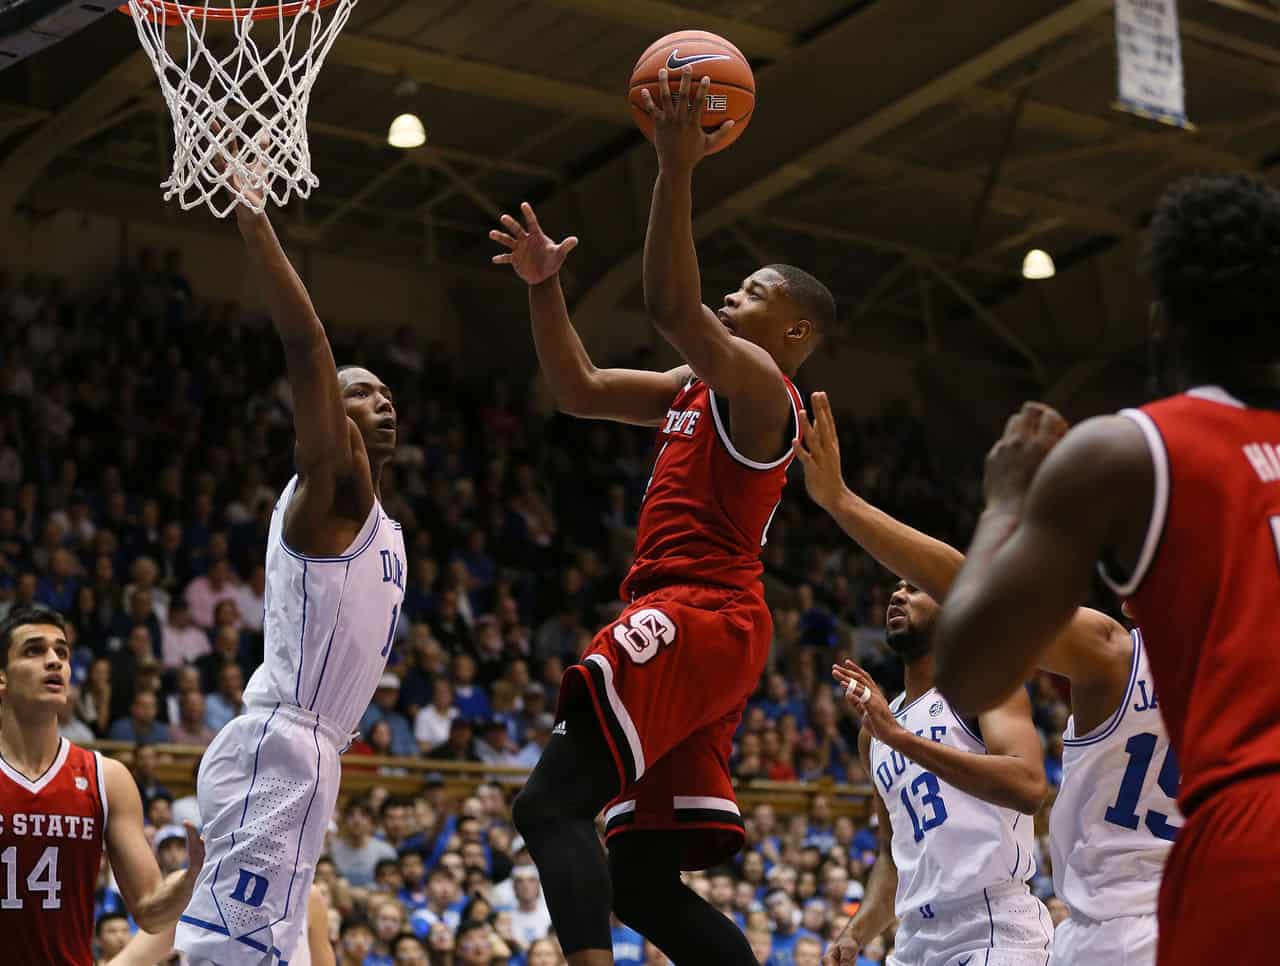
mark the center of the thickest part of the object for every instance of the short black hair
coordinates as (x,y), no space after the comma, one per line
(402,938)
(354,921)
(25,617)
(105,918)
(1214,258)
(470,925)
(395,801)
(385,864)
(810,296)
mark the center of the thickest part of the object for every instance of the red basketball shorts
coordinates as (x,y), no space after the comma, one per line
(668,681)
(1221,886)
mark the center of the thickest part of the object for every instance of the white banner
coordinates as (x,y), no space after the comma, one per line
(1149,51)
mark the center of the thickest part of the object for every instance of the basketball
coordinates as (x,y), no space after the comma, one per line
(733,85)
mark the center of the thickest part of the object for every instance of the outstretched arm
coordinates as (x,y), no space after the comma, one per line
(580,389)
(1010,774)
(1084,651)
(875,913)
(735,368)
(1032,557)
(324,434)
(154,901)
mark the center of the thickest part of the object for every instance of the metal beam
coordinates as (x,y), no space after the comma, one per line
(985,315)
(70,125)
(390,59)
(660,16)
(371,187)
(426,155)
(1004,198)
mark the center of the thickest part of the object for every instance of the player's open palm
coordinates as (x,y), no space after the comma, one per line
(818,450)
(533,256)
(678,134)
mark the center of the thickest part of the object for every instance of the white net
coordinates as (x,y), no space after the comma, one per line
(237,79)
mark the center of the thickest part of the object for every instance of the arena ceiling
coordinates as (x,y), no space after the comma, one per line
(907,155)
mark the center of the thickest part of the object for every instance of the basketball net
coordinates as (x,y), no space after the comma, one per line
(239,104)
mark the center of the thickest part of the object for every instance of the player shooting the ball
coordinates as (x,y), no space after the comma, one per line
(648,715)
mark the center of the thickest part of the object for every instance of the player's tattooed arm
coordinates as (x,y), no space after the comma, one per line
(1033,555)
(580,389)
(875,913)
(739,370)
(154,901)
(1092,650)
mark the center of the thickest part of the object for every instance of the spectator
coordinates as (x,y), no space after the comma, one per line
(251,598)
(191,727)
(807,952)
(145,760)
(460,745)
(468,697)
(479,945)
(182,642)
(141,725)
(530,920)
(431,727)
(228,701)
(786,931)
(226,650)
(112,933)
(355,941)
(171,848)
(383,708)
(204,593)
(443,906)
(388,922)
(494,746)
(539,735)
(408,950)
(545,952)
(355,851)
(69,724)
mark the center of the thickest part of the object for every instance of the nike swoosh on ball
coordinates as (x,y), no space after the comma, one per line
(675,61)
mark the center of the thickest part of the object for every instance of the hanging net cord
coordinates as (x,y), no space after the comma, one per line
(239,119)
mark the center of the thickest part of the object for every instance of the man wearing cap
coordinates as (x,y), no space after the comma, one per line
(171,848)
(383,708)
(494,746)
(530,919)
(539,735)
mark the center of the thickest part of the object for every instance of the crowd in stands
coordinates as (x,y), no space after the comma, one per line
(144,438)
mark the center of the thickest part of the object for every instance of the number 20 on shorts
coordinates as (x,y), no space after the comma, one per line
(643,633)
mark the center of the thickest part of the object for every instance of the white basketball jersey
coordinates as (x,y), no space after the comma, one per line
(329,621)
(1115,816)
(947,844)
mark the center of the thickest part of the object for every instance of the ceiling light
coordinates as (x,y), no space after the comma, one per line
(1038,265)
(406,132)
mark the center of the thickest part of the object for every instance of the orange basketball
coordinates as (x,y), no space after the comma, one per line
(733,86)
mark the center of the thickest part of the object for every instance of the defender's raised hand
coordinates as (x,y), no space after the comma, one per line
(678,134)
(818,449)
(532,255)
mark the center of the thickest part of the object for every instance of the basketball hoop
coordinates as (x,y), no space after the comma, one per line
(240,110)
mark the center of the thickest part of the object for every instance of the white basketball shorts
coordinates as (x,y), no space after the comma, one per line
(267,787)
(1001,926)
(1123,941)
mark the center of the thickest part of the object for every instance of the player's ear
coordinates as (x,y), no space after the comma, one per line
(800,330)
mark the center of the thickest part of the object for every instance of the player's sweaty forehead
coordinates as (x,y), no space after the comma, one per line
(356,376)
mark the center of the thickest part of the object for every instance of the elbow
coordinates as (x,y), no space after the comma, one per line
(148,920)
(1031,795)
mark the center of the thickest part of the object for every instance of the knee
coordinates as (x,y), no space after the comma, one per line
(530,810)
(636,895)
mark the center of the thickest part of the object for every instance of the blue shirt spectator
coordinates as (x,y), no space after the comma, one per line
(383,708)
(141,725)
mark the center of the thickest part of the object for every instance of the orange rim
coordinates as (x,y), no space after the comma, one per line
(174,13)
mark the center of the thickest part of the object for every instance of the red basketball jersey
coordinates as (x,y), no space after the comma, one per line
(707,508)
(51,836)
(1207,585)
